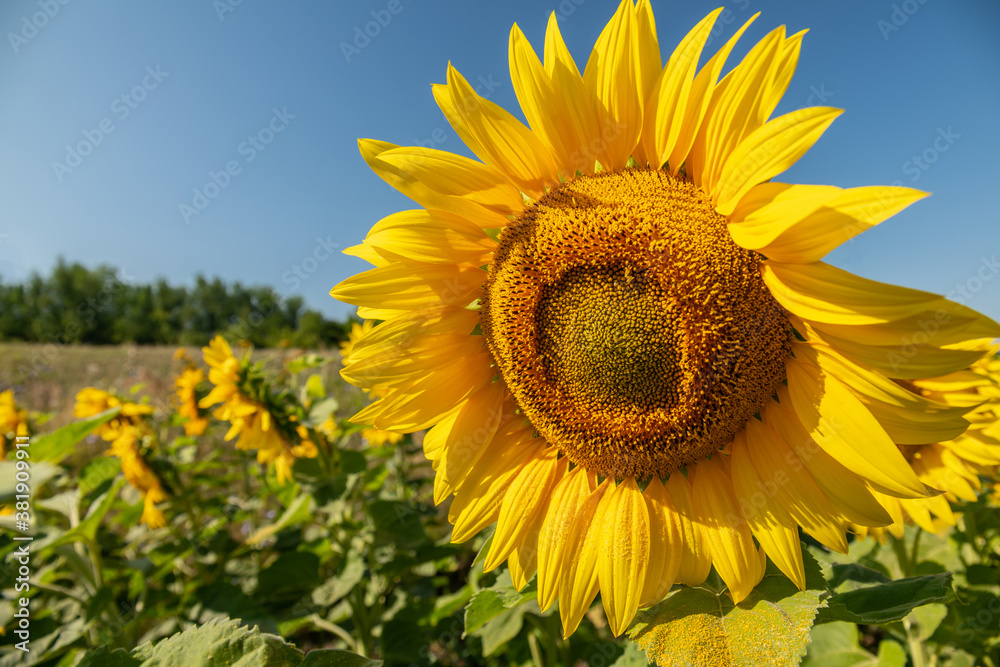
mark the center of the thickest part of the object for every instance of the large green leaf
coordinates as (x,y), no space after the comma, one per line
(888,602)
(836,645)
(56,446)
(695,626)
(103,657)
(223,643)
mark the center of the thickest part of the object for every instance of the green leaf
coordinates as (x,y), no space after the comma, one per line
(301,509)
(632,657)
(889,602)
(39,474)
(836,645)
(314,387)
(504,627)
(59,444)
(335,658)
(292,574)
(397,522)
(856,572)
(320,411)
(699,627)
(489,603)
(337,587)
(103,657)
(219,644)
(86,530)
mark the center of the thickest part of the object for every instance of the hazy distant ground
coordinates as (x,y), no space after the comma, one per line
(46,378)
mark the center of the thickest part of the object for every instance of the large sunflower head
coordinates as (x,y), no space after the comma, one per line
(620,332)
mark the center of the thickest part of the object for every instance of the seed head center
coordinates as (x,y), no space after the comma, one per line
(634,334)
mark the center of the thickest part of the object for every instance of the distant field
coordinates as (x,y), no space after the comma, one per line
(46,378)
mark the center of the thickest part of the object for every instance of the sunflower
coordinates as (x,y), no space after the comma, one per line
(91,401)
(13,422)
(621,333)
(187,384)
(953,466)
(249,418)
(138,473)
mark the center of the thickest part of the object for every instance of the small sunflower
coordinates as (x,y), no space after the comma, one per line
(13,422)
(620,330)
(91,401)
(138,473)
(249,418)
(953,466)
(125,433)
(187,385)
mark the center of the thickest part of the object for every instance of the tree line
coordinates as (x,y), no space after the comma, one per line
(75,304)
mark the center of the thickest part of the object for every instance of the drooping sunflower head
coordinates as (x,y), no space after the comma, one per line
(621,335)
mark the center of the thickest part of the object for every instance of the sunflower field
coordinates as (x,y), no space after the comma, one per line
(608,405)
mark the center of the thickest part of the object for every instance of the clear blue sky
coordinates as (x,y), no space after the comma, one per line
(209,79)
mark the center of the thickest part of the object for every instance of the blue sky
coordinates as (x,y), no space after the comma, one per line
(166,94)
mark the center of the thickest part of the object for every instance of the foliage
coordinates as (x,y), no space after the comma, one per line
(348,562)
(99,307)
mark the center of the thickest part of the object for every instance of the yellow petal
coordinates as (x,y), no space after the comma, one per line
(769,150)
(691,147)
(524,504)
(436,237)
(444,181)
(612,75)
(665,551)
(716,508)
(478,505)
(732,113)
(845,429)
(458,442)
(806,238)
(410,357)
(649,62)
(671,95)
(949,324)
(696,559)
(623,553)
(578,585)
(822,293)
(410,287)
(908,418)
(904,361)
(424,401)
(568,497)
(770,523)
(393,334)
(496,137)
(781,470)
(845,490)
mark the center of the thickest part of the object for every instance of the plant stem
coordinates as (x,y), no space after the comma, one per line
(899,546)
(916,647)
